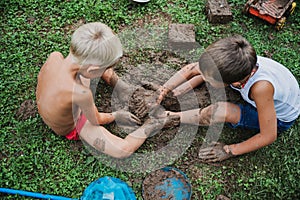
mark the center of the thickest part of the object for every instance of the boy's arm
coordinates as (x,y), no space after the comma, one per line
(187,86)
(184,74)
(84,99)
(262,93)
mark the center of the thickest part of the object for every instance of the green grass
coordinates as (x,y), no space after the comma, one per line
(33,158)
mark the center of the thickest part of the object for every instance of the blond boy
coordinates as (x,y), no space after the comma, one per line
(65,101)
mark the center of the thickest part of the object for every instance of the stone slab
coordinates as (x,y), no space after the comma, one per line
(218,11)
(181,37)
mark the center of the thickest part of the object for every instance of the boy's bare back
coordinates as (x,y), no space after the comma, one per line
(56,82)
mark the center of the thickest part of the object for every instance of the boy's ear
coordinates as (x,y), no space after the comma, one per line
(92,67)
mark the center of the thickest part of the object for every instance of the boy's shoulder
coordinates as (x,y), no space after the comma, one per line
(56,54)
(54,59)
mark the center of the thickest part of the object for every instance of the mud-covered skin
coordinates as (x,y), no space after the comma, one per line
(142,100)
(159,112)
(172,121)
(214,153)
(206,115)
(152,125)
(122,89)
(126,118)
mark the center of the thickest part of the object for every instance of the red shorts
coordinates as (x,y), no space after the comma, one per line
(74,134)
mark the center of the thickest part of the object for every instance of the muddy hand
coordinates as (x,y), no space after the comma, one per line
(152,125)
(214,153)
(150,86)
(126,118)
(152,103)
(137,103)
(161,93)
(141,109)
(172,121)
(157,111)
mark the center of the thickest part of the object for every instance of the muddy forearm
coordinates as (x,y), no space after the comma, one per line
(104,118)
(189,85)
(190,117)
(254,143)
(186,73)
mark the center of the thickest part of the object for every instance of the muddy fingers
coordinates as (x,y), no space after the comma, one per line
(214,153)
(150,86)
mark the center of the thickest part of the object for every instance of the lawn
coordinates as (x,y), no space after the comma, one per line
(33,158)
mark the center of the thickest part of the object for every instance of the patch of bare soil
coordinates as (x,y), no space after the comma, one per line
(158,19)
(27,110)
(145,80)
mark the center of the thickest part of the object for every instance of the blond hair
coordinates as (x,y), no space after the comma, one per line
(96,44)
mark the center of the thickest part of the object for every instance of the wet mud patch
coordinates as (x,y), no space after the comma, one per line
(145,73)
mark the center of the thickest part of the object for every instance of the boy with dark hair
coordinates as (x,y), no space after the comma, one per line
(270,90)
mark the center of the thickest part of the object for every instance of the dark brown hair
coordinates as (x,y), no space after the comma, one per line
(228,60)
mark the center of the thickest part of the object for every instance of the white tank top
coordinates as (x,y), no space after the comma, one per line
(286,88)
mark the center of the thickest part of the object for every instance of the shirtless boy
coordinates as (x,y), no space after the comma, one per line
(65,101)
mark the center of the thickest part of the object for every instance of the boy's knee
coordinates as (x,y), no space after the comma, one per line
(228,112)
(207,114)
(215,113)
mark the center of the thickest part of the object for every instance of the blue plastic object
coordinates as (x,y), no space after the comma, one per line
(33,194)
(108,188)
(105,188)
(177,188)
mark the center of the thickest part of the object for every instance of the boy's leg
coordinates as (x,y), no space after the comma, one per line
(226,112)
(215,113)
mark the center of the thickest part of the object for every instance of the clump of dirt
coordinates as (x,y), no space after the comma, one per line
(138,101)
(143,97)
(156,180)
(27,110)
